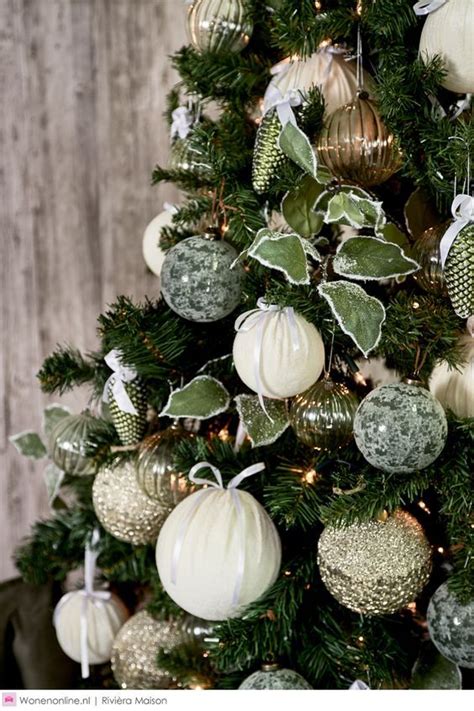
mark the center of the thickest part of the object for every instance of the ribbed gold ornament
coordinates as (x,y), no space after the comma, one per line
(188,156)
(356,145)
(122,507)
(375,567)
(136,647)
(459,272)
(219,25)
(426,252)
(268,158)
(157,474)
(323,415)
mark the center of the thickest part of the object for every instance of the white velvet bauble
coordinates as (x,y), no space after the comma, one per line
(335,77)
(104,619)
(449,32)
(284,371)
(455,388)
(152,252)
(202,542)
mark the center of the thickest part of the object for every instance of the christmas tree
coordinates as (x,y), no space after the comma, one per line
(290,425)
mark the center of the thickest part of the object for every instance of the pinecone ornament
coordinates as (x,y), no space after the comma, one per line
(268,158)
(459,272)
(130,428)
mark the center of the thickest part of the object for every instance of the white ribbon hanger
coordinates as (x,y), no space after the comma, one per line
(182,122)
(424,7)
(121,374)
(462,209)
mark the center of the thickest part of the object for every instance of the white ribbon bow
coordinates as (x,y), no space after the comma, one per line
(121,374)
(89,594)
(424,7)
(283,103)
(242,327)
(182,122)
(218,484)
(462,210)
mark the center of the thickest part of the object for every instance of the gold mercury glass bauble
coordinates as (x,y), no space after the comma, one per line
(426,252)
(375,567)
(322,416)
(121,506)
(157,474)
(71,443)
(135,649)
(356,145)
(219,25)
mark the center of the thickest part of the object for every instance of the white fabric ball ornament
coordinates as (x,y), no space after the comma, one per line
(152,252)
(218,550)
(455,388)
(449,32)
(277,353)
(104,618)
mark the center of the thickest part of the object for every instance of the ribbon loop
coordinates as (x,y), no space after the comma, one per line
(181,122)
(245,323)
(121,374)
(206,465)
(462,209)
(425,7)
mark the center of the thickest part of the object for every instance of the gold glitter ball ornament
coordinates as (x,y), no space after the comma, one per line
(136,647)
(123,509)
(376,567)
(356,145)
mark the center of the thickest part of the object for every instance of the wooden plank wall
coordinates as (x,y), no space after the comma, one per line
(82,86)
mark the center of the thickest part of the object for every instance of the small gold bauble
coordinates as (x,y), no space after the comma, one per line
(122,507)
(135,650)
(426,252)
(219,25)
(157,474)
(356,145)
(322,416)
(375,567)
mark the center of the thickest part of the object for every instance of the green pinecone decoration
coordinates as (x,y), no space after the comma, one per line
(459,272)
(268,158)
(130,428)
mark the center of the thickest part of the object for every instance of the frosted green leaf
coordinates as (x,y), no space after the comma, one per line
(284,252)
(29,444)
(297,207)
(201,398)
(51,416)
(391,233)
(295,144)
(321,204)
(53,477)
(350,209)
(261,430)
(359,315)
(371,258)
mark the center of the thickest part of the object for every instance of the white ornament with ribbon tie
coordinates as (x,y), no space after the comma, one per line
(218,550)
(277,353)
(462,209)
(121,375)
(88,620)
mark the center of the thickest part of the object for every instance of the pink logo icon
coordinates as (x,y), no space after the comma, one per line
(8,698)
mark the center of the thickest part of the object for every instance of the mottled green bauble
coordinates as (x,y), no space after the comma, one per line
(451,626)
(459,272)
(273,678)
(400,428)
(197,281)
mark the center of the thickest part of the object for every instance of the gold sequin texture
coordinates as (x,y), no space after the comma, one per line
(136,647)
(375,567)
(123,508)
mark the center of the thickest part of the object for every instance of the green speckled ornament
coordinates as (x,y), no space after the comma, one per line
(268,158)
(130,428)
(197,281)
(400,428)
(459,272)
(273,678)
(375,567)
(451,627)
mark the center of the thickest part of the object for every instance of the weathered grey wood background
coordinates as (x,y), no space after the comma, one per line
(82,87)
